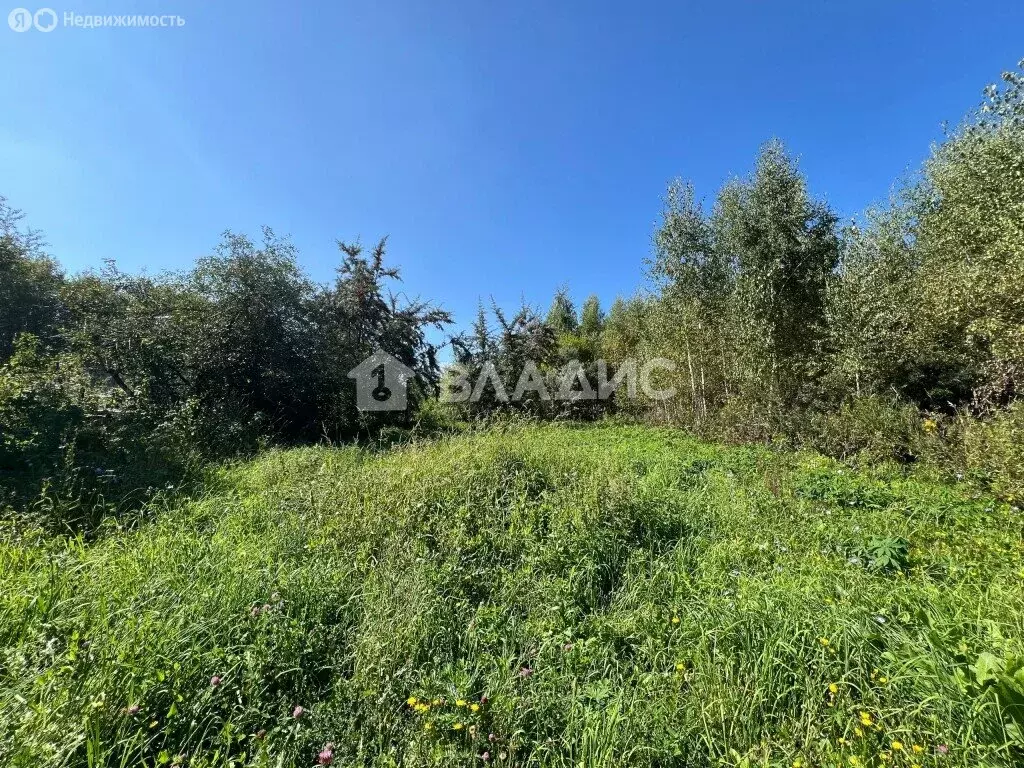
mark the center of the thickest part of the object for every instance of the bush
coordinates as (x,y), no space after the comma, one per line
(40,413)
(871,427)
(72,449)
(991,450)
(745,420)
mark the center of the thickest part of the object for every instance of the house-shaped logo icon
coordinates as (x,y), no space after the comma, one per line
(382,382)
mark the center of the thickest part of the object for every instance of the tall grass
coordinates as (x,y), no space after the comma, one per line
(545,596)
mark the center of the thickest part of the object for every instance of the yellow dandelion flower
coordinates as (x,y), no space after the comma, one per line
(411,701)
(858,732)
(798,763)
(865,718)
(883,680)
(675,619)
(842,742)
(436,702)
(854,761)
(833,688)
(680,667)
(918,749)
(460,703)
(474,707)
(458,727)
(824,642)
(897,746)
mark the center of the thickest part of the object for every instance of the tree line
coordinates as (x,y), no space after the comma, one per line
(111,383)
(897,335)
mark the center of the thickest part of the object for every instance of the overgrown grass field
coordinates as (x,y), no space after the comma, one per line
(544,596)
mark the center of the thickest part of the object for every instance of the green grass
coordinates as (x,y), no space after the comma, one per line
(621,596)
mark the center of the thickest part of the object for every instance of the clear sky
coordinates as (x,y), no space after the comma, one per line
(505,147)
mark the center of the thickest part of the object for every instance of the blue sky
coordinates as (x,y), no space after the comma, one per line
(505,147)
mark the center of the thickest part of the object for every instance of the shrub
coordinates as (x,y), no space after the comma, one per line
(72,449)
(872,427)
(991,450)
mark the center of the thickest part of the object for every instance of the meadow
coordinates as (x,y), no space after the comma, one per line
(530,596)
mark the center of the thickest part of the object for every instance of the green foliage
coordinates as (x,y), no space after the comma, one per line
(72,450)
(591,319)
(785,248)
(548,360)
(524,595)
(126,373)
(256,350)
(741,306)
(40,412)
(871,426)
(29,283)
(784,327)
(494,362)
(927,302)
(603,596)
(886,555)
(971,233)
(875,341)
(687,259)
(990,449)
(624,328)
(1005,679)
(562,316)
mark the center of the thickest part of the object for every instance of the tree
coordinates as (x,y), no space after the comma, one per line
(521,340)
(562,316)
(29,284)
(785,247)
(687,262)
(591,318)
(246,347)
(970,234)
(356,317)
(696,279)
